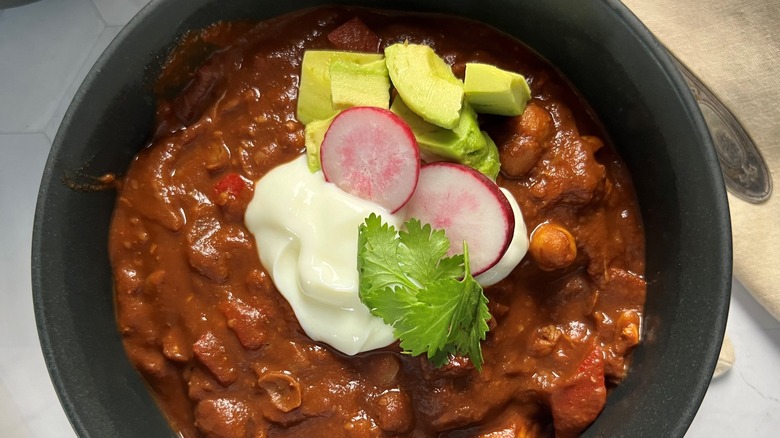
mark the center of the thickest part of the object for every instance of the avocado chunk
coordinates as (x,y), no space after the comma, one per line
(490,164)
(313,136)
(491,90)
(314,90)
(354,84)
(464,144)
(425,83)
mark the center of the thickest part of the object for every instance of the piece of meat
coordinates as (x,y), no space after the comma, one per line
(211,245)
(567,172)
(198,94)
(176,346)
(619,286)
(212,353)
(395,412)
(248,323)
(200,385)
(544,340)
(222,418)
(355,35)
(457,366)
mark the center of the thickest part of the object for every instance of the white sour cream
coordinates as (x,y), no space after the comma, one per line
(306,231)
(514,253)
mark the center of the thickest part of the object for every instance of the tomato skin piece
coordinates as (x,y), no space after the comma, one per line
(232,184)
(577,405)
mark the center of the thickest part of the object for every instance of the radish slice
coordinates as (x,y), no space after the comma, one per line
(372,154)
(468,206)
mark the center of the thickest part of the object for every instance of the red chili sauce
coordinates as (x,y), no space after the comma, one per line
(222,351)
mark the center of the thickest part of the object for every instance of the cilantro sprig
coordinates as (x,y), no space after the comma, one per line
(433,303)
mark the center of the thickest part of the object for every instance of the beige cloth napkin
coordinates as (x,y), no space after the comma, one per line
(734,48)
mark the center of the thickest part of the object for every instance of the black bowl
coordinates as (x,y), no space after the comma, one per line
(600,46)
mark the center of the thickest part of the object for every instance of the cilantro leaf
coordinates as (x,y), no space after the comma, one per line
(471,315)
(390,304)
(378,241)
(432,301)
(421,251)
(428,325)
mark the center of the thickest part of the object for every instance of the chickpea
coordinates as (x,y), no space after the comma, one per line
(553,247)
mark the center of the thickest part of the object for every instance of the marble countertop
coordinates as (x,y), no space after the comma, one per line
(46,49)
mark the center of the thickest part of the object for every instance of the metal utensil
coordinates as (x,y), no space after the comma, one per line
(744,169)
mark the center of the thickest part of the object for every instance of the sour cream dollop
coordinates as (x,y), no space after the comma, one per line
(306,231)
(514,253)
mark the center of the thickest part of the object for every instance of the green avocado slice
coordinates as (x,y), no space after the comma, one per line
(491,90)
(464,144)
(314,91)
(354,84)
(425,83)
(313,136)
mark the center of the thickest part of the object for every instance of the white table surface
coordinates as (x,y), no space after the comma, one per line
(46,49)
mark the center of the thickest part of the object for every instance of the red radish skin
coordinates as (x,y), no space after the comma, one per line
(371,153)
(468,206)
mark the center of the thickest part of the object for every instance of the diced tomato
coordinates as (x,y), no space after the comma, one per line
(579,403)
(354,35)
(232,184)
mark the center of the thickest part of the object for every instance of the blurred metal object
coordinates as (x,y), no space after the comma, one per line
(744,169)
